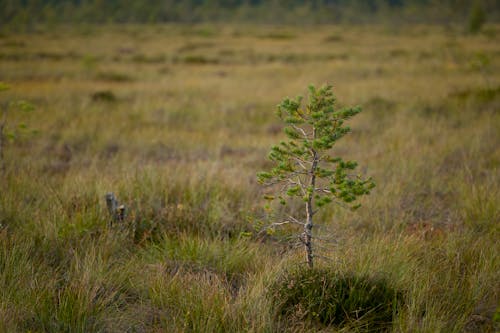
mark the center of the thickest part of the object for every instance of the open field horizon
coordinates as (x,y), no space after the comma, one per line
(176,121)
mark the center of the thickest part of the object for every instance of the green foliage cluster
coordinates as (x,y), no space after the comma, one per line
(312,131)
(331,298)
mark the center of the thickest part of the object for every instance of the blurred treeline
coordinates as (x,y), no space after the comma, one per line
(22,14)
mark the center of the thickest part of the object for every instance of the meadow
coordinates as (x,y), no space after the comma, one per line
(176,121)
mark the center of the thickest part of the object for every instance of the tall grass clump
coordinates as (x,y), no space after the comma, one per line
(202,205)
(327,297)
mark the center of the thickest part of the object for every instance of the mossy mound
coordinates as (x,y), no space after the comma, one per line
(326,297)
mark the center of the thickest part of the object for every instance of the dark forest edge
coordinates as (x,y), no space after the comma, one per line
(26,14)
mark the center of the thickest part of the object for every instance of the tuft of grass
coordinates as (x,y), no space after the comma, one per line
(113,77)
(279,35)
(479,95)
(103,96)
(232,261)
(198,60)
(202,206)
(332,298)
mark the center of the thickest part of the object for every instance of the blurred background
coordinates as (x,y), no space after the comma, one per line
(171,106)
(26,13)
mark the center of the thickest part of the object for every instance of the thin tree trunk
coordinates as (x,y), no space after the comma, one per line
(308,235)
(309,211)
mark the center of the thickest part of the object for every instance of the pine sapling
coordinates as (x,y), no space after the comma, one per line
(304,165)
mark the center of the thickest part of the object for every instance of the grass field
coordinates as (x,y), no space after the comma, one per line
(176,121)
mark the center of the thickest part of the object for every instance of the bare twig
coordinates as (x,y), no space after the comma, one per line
(306,136)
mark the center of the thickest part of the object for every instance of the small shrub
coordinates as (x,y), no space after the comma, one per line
(333,38)
(195,46)
(103,96)
(199,60)
(330,298)
(477,18)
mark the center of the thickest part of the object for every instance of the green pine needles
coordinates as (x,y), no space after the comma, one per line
(304,164)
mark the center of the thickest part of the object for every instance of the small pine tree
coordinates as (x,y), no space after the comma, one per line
(304,166)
